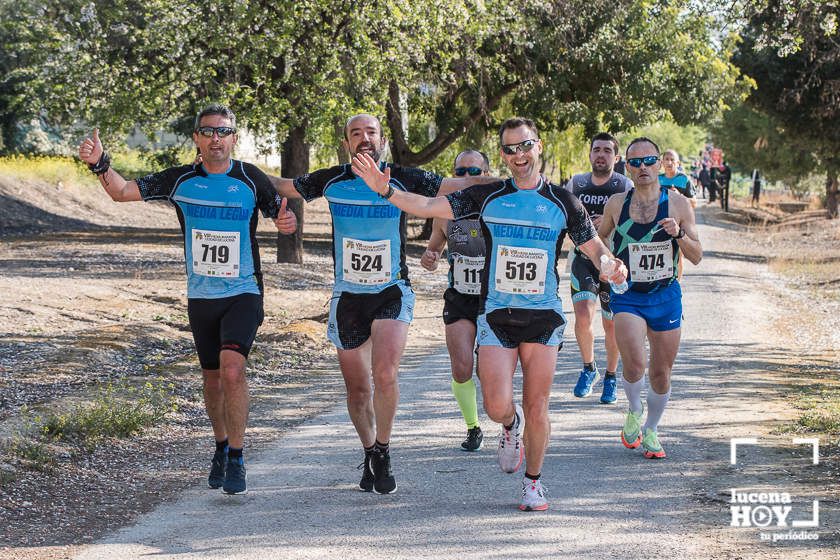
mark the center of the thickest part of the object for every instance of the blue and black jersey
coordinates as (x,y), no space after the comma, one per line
(680,182)
(219,222)
(368,231)
(649,252)
(523,231)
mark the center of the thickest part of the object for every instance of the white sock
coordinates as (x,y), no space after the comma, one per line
(634,393)
(656,407)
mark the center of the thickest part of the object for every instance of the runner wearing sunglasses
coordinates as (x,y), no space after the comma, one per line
(372,303)
(593,190)
(649,227)
(465,253)
(524,220)
(216,199)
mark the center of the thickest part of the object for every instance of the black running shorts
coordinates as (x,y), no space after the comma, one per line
(457,306)
(224,324)
(352,315)
(585,283)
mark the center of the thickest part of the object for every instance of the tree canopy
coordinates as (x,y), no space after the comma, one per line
(791,48)
(437,70)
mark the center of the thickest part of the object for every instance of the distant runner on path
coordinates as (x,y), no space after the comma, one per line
(217,202)
(372,303)
(593,190)
(675,179)
(650,227)
(465,253)
(524,220)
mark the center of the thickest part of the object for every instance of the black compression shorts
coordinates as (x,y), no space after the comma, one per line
(224,324)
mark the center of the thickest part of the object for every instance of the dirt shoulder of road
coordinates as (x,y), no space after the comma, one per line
(95,295)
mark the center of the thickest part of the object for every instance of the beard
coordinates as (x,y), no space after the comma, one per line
(601,169)
(369,149)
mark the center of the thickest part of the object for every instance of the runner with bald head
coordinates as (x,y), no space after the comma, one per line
(675,179)
(465,253)
(372,303)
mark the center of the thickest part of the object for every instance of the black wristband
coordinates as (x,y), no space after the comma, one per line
(680,234)
(101,166)
(389,193)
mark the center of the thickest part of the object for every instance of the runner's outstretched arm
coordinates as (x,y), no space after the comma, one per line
(453,184)
(379,182)
(593,249)
(92,153)
(284,186)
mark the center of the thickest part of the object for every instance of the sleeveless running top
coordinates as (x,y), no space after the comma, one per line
(647,250)
(465,253)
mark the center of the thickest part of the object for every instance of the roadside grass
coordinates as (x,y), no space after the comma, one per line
(52,169)
(117,411)
(32,453)
(816,394)
(55,169)
(810,269)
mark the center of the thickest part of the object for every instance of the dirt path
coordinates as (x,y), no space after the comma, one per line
(91,305)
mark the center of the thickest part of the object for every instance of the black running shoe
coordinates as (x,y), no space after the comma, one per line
(366,484)
(474,439)
(217,469)
(235,477)
(383,478)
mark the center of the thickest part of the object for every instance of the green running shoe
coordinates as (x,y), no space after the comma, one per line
(631,432)
(651,445)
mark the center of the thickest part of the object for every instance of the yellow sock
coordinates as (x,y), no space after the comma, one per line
(465,395)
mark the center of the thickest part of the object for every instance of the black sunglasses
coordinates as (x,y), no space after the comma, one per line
(525,146)
(222,131)
(638,161)
(472,171)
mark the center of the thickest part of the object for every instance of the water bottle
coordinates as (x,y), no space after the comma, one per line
(608,268)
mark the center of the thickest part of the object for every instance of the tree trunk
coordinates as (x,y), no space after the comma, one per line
(341,151)
(295,162)
(832,184)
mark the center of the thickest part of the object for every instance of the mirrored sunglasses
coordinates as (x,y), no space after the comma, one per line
(222,131)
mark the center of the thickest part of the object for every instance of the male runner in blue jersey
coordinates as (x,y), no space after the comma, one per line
(524,220)
(593,190)
(465,253)
(372,303)
(216,202)
(649,227)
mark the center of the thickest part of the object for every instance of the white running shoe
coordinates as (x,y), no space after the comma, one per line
(533,496)
(511,450)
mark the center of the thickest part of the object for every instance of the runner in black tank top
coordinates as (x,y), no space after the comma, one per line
(465,253)
(593,190)
(650,228)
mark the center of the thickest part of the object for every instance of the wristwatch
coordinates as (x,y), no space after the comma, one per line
(680,234)
(388,193)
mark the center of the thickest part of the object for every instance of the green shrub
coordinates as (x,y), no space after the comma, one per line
(116,412)
(33,453)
